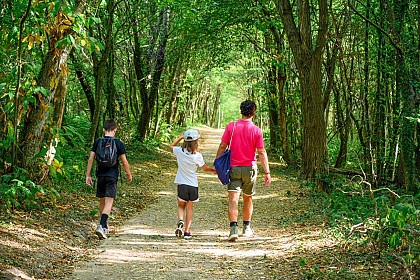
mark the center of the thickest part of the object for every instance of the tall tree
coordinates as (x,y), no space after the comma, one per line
(100,60)
(406,67)
(19,75)
(52,77)
(149,64)
(308,56)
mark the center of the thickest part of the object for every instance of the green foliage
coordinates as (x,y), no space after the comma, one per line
(65,173)
(382,220)
(19,192)
(68,166)
(146,150)
(6,142)
(399,227)
(166,133)
(353,153)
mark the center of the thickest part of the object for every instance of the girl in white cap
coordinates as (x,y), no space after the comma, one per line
(189,159)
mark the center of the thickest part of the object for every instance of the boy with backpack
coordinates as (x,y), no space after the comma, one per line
(107,151)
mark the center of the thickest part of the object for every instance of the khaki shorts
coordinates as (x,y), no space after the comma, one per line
(243,178)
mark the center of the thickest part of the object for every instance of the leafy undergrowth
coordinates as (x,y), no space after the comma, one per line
(323,253)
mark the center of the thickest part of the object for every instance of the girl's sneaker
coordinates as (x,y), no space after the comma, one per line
(187,235)
(178,231)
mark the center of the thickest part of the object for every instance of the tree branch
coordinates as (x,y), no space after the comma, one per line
(392,41)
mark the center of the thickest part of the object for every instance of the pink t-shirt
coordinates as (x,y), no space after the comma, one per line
(247,138)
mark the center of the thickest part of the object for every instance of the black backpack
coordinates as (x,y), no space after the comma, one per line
(106,152)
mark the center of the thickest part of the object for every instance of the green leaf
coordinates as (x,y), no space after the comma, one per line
(303,262)
(42,90)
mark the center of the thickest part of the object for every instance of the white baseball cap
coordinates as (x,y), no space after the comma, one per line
(191,135)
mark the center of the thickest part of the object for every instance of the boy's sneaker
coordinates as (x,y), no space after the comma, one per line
(187,235)
(178,231)
(180,224)
(233,233)
(247,231)
(100,232)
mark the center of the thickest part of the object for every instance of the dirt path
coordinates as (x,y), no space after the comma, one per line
(146,247)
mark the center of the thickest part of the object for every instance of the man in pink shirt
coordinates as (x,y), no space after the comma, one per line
(247,138)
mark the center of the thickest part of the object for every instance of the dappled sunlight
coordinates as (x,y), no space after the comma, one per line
(29,233)
(155,247)
(140,230)
(208,182)
(206,175)
(222,193)
(150,231)
(136,168)
(276,164)
(15,245)
(166,193)
(276,180)
(230,252)
(127,255)
(257,197)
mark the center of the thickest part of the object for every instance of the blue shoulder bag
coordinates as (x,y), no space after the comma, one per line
(222,163)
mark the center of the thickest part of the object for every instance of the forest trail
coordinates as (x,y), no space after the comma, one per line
(145,247)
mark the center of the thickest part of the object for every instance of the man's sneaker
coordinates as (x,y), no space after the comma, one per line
(178,231)
(247,231)
(100,232)
(106,231)
(233,233)
(187,235)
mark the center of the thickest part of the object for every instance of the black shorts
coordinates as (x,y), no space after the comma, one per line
(187,193)
(106,187)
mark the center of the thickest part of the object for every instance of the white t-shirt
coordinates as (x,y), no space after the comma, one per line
(187,166)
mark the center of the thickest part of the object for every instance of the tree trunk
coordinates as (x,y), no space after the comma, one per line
(99,71)
(53,75)
(60,101)
(16,102)
(84,83)
(418,66)
(215,106)
(367,131)
(341,93)
(408,111)
(110,90)
(380,124)
(281,80)
(273,109)
(149,96)
(308,59)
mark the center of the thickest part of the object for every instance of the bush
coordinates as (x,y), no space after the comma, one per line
(388,222)
(18,192)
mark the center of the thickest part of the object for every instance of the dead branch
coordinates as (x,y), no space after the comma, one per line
(359,227)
